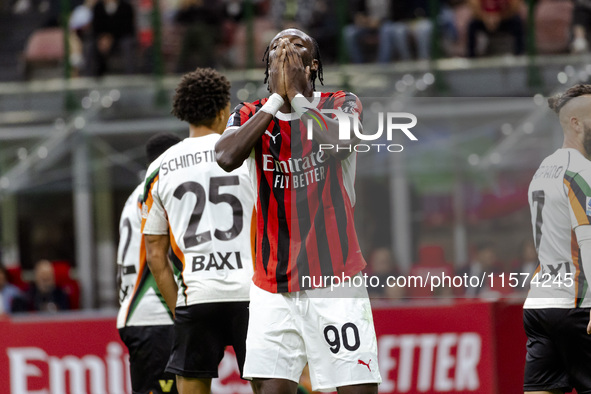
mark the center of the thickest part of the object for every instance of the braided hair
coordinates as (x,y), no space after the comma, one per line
(558,101)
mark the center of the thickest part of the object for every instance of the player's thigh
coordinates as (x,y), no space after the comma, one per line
(340,339)
(274,386)
(367,388)
(149,350)
(236,316)
(575,345)
(274,345)
(193,385)
(199,341)
(545,369)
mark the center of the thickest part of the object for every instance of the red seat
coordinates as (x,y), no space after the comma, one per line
(15,277)
(63,280)
(44,47)
(431,263)
(553,25)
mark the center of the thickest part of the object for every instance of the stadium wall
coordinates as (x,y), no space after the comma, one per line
(457,346)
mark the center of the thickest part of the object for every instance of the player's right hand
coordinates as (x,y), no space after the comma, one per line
(297,75)
(277,81)
(589,325)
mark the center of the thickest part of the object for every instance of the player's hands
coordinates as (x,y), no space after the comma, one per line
(297,76)
(277,82)
(589,325)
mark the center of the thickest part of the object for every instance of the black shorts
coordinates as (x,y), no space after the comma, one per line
(558,350)
(149,350)
(201,333)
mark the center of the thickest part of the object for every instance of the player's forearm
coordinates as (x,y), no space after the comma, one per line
(119,276)
(585,248)
(156,251)
(167,285)
(235,145)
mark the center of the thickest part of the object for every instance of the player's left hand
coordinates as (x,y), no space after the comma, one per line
(589,325)
(297,76)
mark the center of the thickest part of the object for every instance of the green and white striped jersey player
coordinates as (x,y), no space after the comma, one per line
(141,301)
(560,201)
(144,321)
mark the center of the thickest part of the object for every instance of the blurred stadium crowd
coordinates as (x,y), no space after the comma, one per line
(122,36)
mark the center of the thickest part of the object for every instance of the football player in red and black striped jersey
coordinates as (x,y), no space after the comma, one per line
(303,174)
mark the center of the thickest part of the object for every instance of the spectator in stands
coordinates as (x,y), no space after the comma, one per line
(323,25)
(493,16)
(407,18)
(80,37)
(525,264)
(319,18)
(381,265)
(485,263)
(581,22)
(113,32)
(44,295)
(8,292)
(431,262)
(365,21)
(203,22)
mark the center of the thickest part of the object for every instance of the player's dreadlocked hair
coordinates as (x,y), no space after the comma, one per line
(200,96)
(313,74)
(159,143)
(558,101)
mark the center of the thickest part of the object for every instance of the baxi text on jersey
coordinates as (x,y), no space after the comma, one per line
(188,160)
(217,261)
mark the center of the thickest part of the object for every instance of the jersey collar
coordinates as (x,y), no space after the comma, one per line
(292,115)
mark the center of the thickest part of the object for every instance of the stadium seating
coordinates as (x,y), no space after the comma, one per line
(44,47)
(15,277)
(553,25)
(431,262)
(66,283)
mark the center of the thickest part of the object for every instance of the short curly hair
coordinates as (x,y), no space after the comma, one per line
(558,101)
(200,96)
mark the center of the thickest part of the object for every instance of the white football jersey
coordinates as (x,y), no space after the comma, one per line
(560,200)
(141,302)
(208,214)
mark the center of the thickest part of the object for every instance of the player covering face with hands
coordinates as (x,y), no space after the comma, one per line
(305,229)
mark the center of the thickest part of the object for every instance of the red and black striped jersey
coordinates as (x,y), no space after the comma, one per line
(305,200)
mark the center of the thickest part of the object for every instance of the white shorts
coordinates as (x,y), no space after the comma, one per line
(335,336)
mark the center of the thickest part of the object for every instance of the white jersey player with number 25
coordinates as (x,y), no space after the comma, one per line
(204,215)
